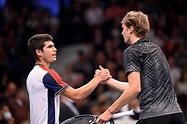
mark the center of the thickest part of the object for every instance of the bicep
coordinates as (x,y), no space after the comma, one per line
(54,83)
(69,92)
(131,60)
(134,81)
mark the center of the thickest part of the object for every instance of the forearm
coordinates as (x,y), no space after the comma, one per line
(130,93)
(118,84)
(88,88)
(124,99)
(82,92)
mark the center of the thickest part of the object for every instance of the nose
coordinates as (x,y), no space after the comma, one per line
(122,32)
(55,49)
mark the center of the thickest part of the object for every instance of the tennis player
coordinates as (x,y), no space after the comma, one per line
(44,85)
(148,75)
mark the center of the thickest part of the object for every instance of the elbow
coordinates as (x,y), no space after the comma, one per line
(137,90)
(76,98)
(74,94)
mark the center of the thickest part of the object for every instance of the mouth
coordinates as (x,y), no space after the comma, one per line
(54,55)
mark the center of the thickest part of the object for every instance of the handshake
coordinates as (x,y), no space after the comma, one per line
(103,73)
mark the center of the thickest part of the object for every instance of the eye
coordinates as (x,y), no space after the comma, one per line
(50,46)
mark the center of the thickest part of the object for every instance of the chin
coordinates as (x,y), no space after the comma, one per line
(126,41)
(53,60)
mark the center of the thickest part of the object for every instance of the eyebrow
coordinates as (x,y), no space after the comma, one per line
(49,45)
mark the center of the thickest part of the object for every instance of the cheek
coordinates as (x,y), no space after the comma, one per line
(46,55)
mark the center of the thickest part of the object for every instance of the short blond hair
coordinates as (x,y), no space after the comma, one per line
(139,21)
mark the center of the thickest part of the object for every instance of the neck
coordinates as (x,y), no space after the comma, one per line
(39,64)
(42,64)
(134,39)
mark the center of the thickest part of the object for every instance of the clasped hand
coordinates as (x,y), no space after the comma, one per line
(104,73)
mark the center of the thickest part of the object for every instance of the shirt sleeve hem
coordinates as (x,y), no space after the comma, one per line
(61,90)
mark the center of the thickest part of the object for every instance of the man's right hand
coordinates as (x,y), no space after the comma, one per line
(103,73)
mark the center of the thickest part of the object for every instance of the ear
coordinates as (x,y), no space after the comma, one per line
(131,29)
(38,52)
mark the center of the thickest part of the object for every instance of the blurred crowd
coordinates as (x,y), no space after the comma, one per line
(97,25)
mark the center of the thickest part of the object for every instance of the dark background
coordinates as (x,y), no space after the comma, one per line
(95,24)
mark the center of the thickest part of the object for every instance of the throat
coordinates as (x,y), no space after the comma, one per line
(39,64)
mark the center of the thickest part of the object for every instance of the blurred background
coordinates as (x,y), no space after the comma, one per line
(87,33)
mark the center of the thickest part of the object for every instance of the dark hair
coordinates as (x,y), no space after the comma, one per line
(37,42)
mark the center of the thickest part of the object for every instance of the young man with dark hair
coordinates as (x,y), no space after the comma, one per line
(44,85)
